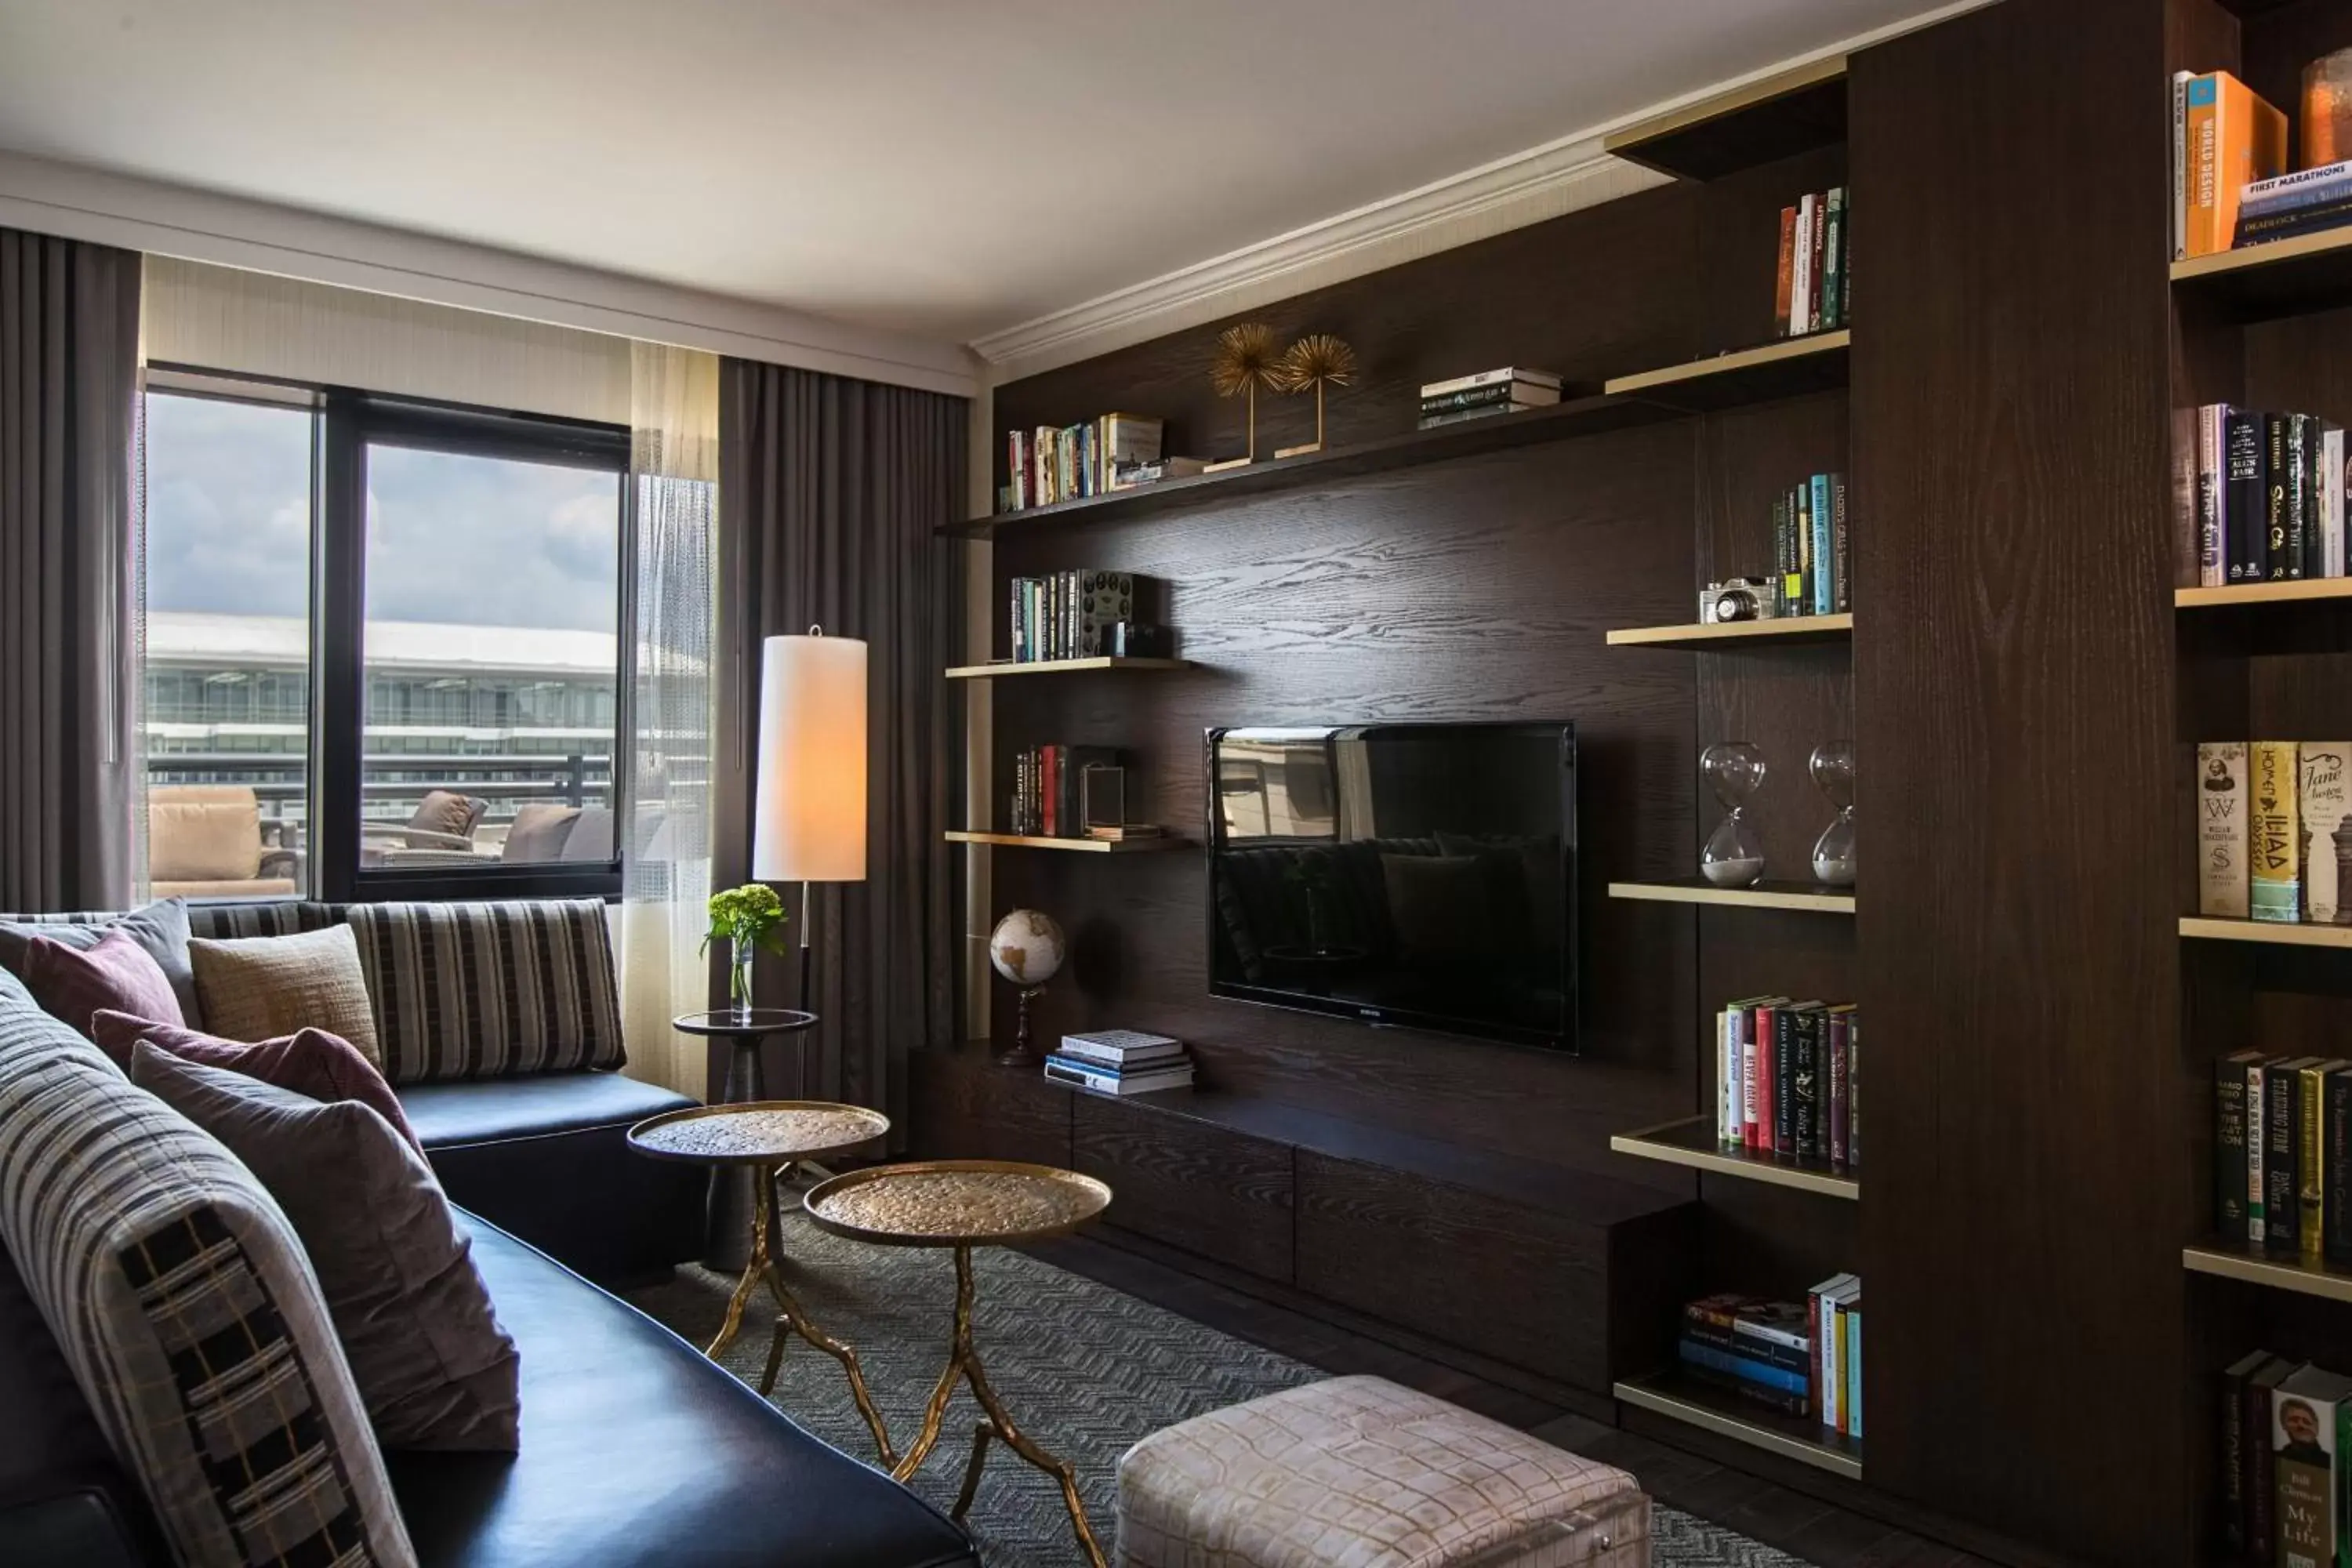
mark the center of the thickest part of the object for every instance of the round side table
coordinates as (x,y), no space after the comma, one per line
(727,1211)
(964,1203)
(762,1137)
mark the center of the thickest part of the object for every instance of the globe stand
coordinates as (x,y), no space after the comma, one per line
(1020,1055)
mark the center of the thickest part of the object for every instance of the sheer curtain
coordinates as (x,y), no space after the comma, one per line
(665,876)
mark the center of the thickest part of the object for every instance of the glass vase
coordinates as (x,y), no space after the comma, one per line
(1832,766)
(1733,856)
(739,973)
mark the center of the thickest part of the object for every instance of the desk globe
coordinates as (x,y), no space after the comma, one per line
(1027,948)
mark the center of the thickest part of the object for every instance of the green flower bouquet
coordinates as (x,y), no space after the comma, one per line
(746,918)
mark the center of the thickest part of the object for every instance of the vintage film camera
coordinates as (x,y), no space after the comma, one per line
(1738,599)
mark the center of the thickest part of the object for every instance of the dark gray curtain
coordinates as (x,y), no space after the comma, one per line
(68,416)
(829,493)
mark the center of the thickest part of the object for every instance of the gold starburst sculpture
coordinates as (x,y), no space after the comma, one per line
(1317,360)
(1246,361)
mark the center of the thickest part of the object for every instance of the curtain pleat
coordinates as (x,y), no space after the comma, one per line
(834,488)
(68,403)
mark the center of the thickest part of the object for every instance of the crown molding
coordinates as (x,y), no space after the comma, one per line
(1544,181)
(76,202)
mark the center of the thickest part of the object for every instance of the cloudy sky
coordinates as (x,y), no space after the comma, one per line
(473,541)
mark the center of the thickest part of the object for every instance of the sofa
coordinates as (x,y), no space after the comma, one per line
(633,1448)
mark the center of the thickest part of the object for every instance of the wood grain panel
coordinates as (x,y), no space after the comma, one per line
(1221,1194)
(967,1107)
(2018,958)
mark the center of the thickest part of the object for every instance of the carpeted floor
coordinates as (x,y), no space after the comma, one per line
(1084,1369)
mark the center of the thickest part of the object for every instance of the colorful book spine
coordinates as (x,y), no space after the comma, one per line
(2231,139)
(2275,886)
(1834,258)
(2282,1145)
(2311,1149)
(1800,282)
(2336,1187)
(2257,1145)
(1839,1021)
(1824,587)
(1784,280)
(2229,1142)
(2221,817)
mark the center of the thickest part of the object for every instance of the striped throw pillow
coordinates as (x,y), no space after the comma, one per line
(489,990)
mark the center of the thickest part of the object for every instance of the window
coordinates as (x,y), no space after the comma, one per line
(447,725)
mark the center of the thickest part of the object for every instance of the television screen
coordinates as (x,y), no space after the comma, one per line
(1422,875)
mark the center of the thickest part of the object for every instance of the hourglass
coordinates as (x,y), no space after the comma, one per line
(1833,770)
(1733,856)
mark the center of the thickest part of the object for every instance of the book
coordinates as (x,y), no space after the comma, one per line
(1853,1092)
(1822,1310)
(1800,276)
(2221,819)
(1805,1080)
(2287,225)
(2309,1412)
(1726,1105)
(1128,476)
(1784,1080)
(2295,188)
(1767,1071)
(2311,1137)
(2336,1184)
(1813,271)
(2327,484)
(2262,1496)
(1459,415)
(2232,1448)
(2206,498)
(1507,373)
(1824,589)
(2273,885)
(1094,1076)
(1839,1019)
(2297,486)
(2257,1143)
(2324,818)
(2232,138)
(2242,478)
(2180,80)
(1126,831)
(1777,1387)
(1834,258)
(2230,1128)
(1839,557)
(1519,394)
(2275,489)
(2281,1154)
(1849,1362)
(1121,1046)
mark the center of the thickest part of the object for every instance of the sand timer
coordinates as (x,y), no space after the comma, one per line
(1733,856)
(1833,769)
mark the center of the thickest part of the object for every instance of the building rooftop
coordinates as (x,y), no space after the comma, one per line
(265,642)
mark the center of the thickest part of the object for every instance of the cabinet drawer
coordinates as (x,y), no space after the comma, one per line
(1223,1194)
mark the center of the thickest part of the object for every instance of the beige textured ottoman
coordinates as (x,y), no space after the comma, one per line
(1359,1473)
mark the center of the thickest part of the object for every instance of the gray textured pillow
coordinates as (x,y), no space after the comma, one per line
(162,928)
(430,1361)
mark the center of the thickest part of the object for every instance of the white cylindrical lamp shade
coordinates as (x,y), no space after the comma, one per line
(809,820)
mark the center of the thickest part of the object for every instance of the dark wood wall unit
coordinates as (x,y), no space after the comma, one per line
(1211,1190)
(2015,704)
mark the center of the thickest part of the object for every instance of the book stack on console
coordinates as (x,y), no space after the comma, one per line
(1811,284)
(2269,499)
(1788,1080)
(1510,390)
(2274,831)
(2285,1435)
(1121,1061)
(1761,1350)
(2282,1155)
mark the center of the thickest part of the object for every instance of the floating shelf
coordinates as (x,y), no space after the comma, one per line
(1467,438)
(1060,667)
(1789,368)
(2284,278)
(1798,1438)
(1080,846)
(1792,111)
(1691,1142)
(1784,630)
(2277,934)
(1762,896)
(2303,1275)
(2261,593)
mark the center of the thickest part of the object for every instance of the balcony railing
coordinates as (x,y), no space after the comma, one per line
(392,784)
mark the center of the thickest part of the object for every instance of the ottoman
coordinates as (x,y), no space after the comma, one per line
(1359,1473)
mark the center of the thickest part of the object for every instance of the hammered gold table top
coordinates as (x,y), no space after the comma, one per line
(763,1132)
(944,1202)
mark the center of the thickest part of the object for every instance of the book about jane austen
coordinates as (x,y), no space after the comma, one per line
(2325,805)
(2274,888)
(2221,829)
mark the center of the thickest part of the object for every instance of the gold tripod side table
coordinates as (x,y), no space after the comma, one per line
(768,1135)
(964,1203)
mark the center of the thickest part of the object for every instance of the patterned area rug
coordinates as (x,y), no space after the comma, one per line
(1084,1369)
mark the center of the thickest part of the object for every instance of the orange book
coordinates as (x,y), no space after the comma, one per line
(2230,138)
(1785,285)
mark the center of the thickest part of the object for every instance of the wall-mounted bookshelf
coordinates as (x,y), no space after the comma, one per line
(1789,113)
(1686,1400)
(1786,368)
(1060,667)
(1781,632)
(2284,278)
(1691,1143)
(2261,593)
(2250,1265)
(1768,895)
(2275,933)
(1078,846)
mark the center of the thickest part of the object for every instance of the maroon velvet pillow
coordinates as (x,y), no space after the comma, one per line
(309,1061)
(114,971)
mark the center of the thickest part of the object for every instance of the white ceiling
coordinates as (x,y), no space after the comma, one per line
(945,167)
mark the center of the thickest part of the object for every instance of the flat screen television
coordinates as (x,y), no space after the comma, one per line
(1415,875)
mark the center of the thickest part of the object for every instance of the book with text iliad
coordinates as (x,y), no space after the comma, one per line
(2230,138)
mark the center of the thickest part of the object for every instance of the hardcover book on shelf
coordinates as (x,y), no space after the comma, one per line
(2283,1154)
(2258,1121)
(2323,809)
(2336,1155)
(1105,1079)
(2311,1154)
(1811,278)
(2274,888)
(2237,1439)
(2310,1412)
(2232,1076)
(2260,1484)
(1123,1047)
(2221,814)
(2242,491)
(2230,138)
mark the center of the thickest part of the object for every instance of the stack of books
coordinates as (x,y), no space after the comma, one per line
(2224,141)
(2279,1124)
(1761,1350)
(1506,391)
(1788,1080)
(1814,277)
(2269,499)
(1121,1061)
(1809,544)
(2274,831)
(1049,798)
(2306,202)
(2286,1433)
(1111,452)
(1833,1323)
(1068,615)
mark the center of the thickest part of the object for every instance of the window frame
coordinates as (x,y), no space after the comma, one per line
(346,422)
